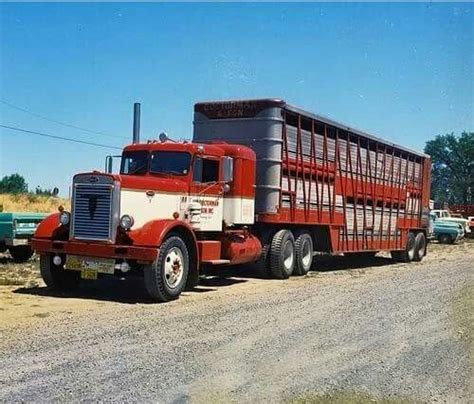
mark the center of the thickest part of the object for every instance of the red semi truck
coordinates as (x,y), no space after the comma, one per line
(262,182)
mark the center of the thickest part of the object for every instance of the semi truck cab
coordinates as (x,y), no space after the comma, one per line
(199,196)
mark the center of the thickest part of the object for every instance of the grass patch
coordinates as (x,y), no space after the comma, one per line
(343,398)
(32,203)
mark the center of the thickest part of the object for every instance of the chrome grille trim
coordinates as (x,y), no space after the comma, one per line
(95,208)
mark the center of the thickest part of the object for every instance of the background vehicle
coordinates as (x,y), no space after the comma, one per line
(447,216)
(447,232)
(262,182)
(471,223)
(16,230)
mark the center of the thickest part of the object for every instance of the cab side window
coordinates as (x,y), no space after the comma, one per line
(205,170)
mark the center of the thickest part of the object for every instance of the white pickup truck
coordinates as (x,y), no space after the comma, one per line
(445,215)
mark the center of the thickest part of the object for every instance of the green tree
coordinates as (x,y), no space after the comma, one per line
(14,184)
(453,167)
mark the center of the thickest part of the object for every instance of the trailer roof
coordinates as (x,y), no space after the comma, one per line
(260,104)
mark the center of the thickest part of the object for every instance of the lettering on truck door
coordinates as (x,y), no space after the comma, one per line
(206,189)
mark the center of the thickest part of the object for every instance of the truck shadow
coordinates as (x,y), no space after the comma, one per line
(325,263)
(321,263)
(128,290)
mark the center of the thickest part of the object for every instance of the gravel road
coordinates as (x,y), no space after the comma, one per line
(391,331)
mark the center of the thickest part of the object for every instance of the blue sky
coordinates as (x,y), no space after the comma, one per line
(404,72)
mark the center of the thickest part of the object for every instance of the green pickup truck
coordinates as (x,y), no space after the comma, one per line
(16,230)
(446,232)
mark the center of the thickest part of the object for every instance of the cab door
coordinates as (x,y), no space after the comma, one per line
(207,190)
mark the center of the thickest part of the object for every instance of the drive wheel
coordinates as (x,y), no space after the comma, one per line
(304,254)
(282,254)
(166,277)
(261,266)
(56,276)
(408,254)
(420,246)
(21,253)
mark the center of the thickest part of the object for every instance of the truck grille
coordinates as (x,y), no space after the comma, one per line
(92,212)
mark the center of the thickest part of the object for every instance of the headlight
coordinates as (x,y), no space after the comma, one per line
(64,218)
(126,222)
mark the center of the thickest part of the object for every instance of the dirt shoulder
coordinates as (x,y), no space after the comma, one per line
(360,329)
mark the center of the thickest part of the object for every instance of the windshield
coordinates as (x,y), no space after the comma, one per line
(134,162)
(169,162)
(159,162)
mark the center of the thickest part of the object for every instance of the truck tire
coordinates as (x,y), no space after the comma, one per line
(57,277)
(408,254)
(304,254)
(445,239)
(21,253)
(261,266)
(166,277)
(282,254)
(420,246)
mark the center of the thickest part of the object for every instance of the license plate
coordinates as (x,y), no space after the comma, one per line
(89,265)
(89,274)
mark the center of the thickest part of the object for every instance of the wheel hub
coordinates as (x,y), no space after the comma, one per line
(173,267)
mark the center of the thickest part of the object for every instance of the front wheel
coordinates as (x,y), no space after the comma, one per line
(21,253)
(166,277)
(445,239)
(56,276)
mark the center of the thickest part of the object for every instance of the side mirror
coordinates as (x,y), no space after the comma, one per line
(228,165)
(109,163)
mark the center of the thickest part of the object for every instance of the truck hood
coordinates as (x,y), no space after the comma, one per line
(446,223)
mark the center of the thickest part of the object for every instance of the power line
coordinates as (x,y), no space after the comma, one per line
(59,137)
(59,122)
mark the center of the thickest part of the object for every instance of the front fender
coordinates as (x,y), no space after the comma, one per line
(154,233)
(48,226)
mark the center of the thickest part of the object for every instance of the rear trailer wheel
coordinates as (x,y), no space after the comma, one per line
(304,254)
(166,277)
(408,254)
(420,246)
(21,253)
(282,254)
(55,276)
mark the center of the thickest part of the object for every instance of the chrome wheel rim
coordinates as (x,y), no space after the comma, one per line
(411,251)
(306,255)
(174,267)
(288,255)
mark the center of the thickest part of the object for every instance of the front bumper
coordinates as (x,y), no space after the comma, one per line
(141,254)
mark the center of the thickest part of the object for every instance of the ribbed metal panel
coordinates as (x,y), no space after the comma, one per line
(92,212)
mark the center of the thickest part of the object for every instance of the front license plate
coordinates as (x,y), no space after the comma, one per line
(97,265)
(89,274)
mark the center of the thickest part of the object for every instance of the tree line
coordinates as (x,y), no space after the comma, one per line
(16,184)
(452,178)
